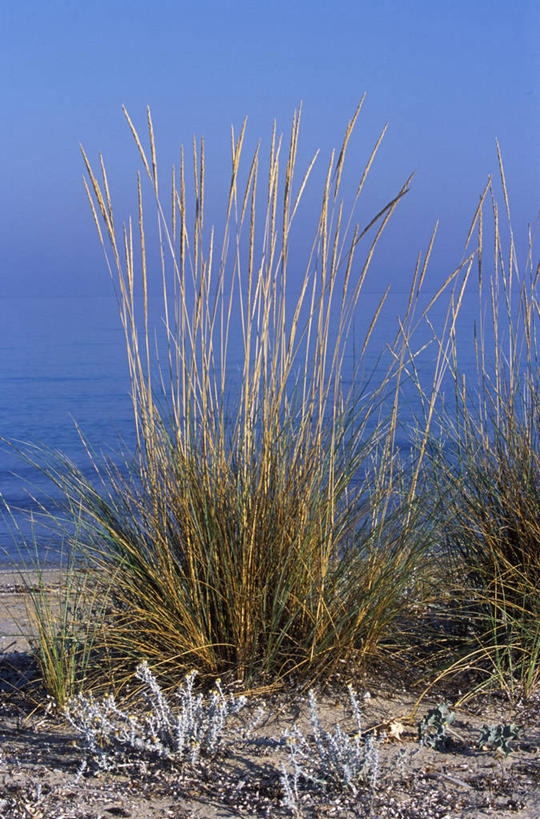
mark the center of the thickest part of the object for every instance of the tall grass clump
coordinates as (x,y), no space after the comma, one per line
(485,466)
(66,630)
(260,528)
(66,603)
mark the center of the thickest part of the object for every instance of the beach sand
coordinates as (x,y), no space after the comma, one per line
(15,622)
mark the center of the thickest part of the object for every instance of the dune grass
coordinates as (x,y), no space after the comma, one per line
(266,532)
(268,525)
(67,625)
(484,467)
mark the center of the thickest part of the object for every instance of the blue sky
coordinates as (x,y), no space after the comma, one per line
(449,77)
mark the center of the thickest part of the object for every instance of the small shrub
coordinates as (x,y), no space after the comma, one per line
(112,736)
(332,761)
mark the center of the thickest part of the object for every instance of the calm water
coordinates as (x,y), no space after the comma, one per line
(63,361)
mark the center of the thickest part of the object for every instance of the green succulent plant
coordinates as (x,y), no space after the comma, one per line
(433,727)
(497,738)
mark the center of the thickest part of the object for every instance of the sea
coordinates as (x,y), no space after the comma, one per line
(65,391)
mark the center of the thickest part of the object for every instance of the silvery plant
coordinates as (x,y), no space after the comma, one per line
(111,734)
(331,760)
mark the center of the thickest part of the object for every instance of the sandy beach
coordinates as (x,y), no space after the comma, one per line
(15,623)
